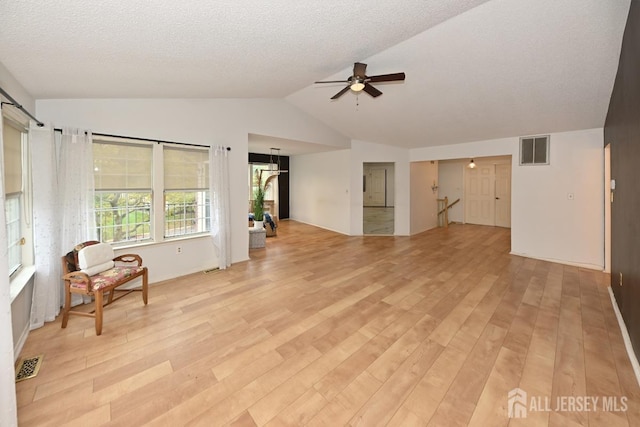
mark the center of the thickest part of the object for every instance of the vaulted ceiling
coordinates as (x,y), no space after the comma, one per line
(475,69)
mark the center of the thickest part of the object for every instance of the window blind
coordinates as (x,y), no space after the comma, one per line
(12,141)
(122,166)
(186,169)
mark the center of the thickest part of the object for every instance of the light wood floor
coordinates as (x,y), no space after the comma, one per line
(325,330)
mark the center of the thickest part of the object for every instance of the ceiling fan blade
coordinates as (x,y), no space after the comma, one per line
(386,77)
(342,92)
(333,81)
(359,69)
(371,90)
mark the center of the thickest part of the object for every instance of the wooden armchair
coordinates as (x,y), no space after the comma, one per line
(93,269)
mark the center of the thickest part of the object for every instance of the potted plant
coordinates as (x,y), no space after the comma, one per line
(258,207)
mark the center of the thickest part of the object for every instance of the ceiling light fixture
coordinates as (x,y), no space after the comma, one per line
(357,85)
(472,164)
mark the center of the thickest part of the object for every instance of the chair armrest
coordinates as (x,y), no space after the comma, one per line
(129,258)
(78,277)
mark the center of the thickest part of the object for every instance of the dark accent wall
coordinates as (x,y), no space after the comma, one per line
(283,180)
(622,131)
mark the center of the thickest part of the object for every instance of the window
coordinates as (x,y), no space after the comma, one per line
(129,176)
(186,191)
(534,150)
(14,237)
(12,137)
(260,172)
(123,190)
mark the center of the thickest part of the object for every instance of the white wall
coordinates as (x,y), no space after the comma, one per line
(366,152)
(424,202)
(545,223)
(15,89)
(451,185)
(320,189)
(199,121)
(197,254)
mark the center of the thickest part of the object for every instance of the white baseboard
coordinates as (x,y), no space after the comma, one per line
(625,336)
(561,261)
(320,226)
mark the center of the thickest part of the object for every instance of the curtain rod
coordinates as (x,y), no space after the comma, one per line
(16,104)
(135,138)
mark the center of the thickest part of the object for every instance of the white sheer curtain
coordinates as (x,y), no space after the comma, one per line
(46,227)
(75,183)
(75,180)
(62,210)
(220,204)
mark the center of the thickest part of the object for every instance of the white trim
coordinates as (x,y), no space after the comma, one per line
(625,336)
(17,347)
(597,267)
(18,282)
(325,228)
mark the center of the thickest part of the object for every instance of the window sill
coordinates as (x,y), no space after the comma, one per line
(167,240)
(18,283)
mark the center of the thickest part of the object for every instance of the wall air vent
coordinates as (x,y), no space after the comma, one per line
(534,150)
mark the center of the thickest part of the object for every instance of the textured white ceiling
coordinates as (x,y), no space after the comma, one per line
(199,48)
(475,69)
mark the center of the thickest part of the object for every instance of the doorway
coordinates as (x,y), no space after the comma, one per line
(378,182)
(488,192)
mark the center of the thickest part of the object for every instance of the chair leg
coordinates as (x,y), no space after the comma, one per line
(67,304)
(98,311)
(145,286)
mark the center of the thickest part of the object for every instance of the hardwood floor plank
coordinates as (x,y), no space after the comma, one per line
(491,408)
(287,392)
(300,412)
(459,402)
(342,408)
(387,399)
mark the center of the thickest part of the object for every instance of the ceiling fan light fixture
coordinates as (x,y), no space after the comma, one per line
(357,85)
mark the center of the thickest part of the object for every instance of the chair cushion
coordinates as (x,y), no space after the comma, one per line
(96,258)
(109,277)
(72,257)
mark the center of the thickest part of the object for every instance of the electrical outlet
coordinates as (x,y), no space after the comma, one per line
(179,249)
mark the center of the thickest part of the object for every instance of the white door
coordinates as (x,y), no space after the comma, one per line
(375,194)
(503,195)
(480,195)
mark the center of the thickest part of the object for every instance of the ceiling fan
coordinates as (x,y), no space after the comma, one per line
(359,81)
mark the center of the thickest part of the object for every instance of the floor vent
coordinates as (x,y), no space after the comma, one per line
(28,368)
(210,270)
